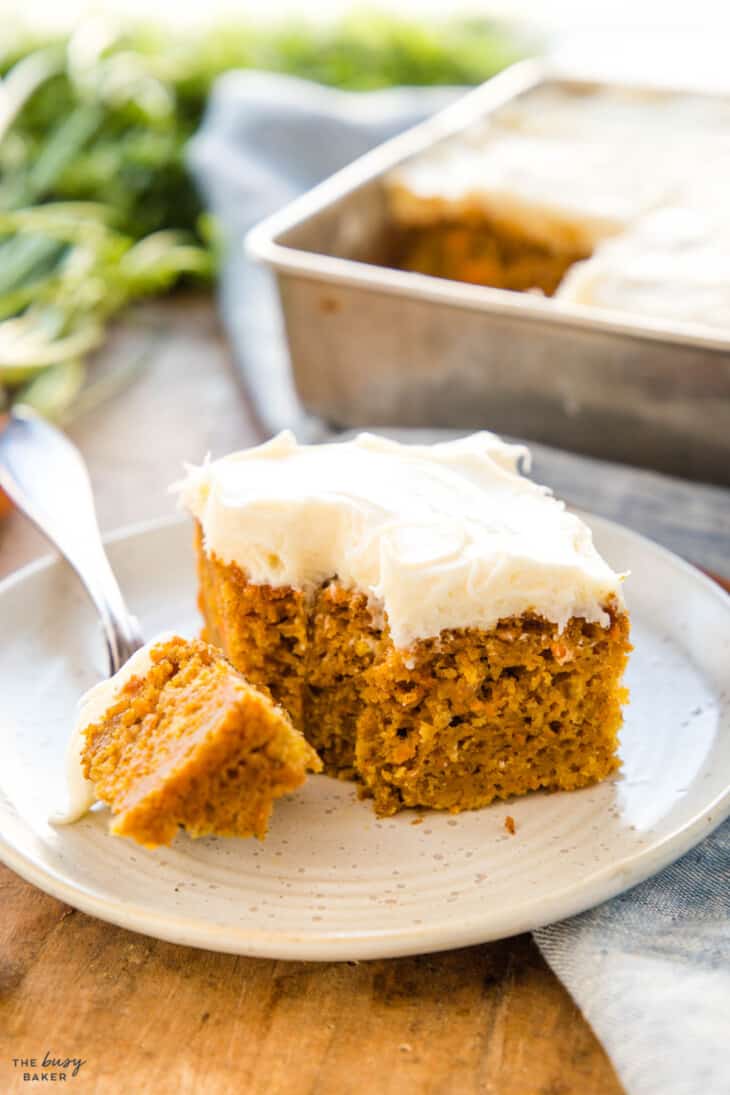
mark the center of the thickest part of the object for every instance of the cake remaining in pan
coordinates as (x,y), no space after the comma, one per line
(615,181)
(373,344)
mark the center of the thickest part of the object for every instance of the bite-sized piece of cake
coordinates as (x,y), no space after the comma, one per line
(179,739)
(437,625)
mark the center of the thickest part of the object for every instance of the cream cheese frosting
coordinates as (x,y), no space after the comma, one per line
(674,265)
(562,192)
(438,536)
(91,708)
(618,114)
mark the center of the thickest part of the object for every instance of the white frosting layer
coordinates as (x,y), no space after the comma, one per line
(440,536)
(92,707)
(674,264)
(563,193)
(620,115)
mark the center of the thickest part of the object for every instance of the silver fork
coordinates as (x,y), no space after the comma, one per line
(46,478)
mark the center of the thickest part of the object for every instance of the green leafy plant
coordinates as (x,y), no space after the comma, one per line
(96,207)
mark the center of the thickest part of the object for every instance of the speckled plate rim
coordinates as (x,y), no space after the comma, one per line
(596,887)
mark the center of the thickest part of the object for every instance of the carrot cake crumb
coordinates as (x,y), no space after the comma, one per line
(438,627)
(188,743)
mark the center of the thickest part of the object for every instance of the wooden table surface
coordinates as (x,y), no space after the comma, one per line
(153,1017)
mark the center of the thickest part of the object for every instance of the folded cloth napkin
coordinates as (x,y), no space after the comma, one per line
(649,969)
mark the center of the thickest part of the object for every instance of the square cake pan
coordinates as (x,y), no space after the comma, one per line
(373,346)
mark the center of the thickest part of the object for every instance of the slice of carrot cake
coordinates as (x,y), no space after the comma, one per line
(436,624)
(179,739)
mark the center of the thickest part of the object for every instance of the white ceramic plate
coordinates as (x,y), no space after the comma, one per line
(331,881)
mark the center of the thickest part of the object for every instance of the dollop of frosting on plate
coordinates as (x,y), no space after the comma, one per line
(91,708)
(438,536)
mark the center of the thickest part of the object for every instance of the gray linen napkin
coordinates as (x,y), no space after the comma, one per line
(264,140)
(650,969)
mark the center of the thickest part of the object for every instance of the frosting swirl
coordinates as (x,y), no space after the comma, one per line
(438,536)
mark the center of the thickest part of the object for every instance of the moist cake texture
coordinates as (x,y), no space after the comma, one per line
(437,626)
(180,740)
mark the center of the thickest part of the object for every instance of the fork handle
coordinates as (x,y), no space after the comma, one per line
(44,475)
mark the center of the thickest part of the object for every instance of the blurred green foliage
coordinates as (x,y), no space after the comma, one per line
(96,206)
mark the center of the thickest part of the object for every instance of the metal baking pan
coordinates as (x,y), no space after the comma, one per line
(373,346)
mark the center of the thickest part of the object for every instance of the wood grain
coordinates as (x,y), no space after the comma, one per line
(153,1017)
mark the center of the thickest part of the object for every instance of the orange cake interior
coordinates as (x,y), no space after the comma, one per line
(474,249)
(453,722)
(190,744)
